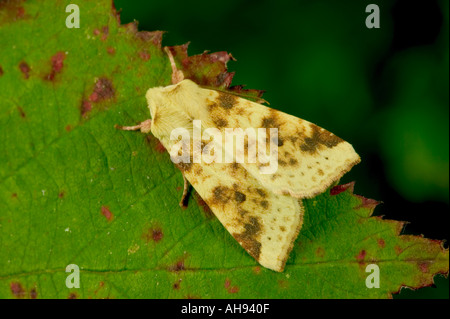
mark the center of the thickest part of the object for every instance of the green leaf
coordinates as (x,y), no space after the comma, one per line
(73,190)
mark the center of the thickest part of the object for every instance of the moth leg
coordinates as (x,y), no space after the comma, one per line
(145,127)
(177,75)
(184,197)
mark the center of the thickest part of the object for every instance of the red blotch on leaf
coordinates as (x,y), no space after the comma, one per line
(33,293)
(153,36)
(178,266)
(20,12)
(57,62)
(176,285)
(17,290)
(107,213)
(1,71)
(381,243)
(157,235)
(229,288)
(257,270)
(61,194)
(68,127)
(154,233)
(101,284)
(103,90)
(72,295)
(105,33)
(424,267)
(360,257)
(145,55)
(21,112)
(86,107)
(320,252)
(342,188)
(208,212)
(160,148)
(398,250)
(111,50)
(12,11)
(25,69)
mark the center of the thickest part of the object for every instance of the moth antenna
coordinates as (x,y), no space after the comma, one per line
(145,127)
(184,197)
(177,75)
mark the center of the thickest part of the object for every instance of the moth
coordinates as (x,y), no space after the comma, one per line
(263,211)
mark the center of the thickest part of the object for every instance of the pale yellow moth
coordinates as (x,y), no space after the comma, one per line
(263,212)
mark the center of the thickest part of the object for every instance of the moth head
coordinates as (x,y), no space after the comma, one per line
(161,97)
(169,106)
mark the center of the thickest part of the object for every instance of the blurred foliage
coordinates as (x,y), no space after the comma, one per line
(383,90)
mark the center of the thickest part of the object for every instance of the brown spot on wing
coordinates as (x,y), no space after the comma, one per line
(264,204)
(224,101)
(248,239)
(318,138)
(280,141)
(242,212)
(270,122)
(261,192)
(239,197)
(281,162)
(220,122)
(227,101)
(221,194)
(184,167)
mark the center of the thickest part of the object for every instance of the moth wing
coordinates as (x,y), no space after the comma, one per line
(310,159)
(263,212)
(265,224)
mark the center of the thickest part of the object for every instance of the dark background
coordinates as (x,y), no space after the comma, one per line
(383,90)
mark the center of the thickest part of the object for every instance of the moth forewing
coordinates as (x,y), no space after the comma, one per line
(262,211)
